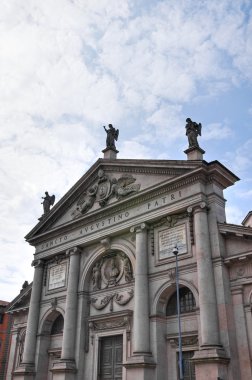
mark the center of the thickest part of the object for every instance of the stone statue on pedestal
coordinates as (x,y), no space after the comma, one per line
(112,136)
(193,130)
(47,202)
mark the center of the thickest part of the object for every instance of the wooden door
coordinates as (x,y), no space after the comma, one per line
(111,357)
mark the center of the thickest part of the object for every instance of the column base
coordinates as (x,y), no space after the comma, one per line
(211,363)
(64,370)
(25,372)
(140,367)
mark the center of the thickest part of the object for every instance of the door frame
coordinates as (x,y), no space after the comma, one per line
(96,347)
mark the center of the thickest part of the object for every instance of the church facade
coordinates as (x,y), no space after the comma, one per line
(103,303)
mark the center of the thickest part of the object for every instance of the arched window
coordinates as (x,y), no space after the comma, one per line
(186,300)
(58,324)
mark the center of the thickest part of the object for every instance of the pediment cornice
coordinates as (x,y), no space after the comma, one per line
(181,173)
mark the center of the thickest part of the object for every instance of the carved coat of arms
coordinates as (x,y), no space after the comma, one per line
(104,189)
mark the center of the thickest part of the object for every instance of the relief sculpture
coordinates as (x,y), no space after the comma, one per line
(111,270)
(104,189)
(121,298)
(107,273)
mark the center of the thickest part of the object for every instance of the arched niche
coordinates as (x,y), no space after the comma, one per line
(48,319)
(123,249)
(49,345)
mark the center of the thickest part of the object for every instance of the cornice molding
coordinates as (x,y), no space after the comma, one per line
(235,230)
(188,173)
(146,195)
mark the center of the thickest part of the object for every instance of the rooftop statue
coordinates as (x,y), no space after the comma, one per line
(193,130)
(112,136)
(47,202)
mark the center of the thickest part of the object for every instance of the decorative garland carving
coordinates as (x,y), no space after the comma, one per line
(121,299)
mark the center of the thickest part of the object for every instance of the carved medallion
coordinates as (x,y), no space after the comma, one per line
(111,270)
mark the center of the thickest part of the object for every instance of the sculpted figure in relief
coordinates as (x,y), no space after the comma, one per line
(96,278)
(89,199)
(193,130)
(127,269)
(113,273)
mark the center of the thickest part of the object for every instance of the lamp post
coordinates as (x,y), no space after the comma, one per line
(181,376)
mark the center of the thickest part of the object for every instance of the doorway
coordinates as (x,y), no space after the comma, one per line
(110,358)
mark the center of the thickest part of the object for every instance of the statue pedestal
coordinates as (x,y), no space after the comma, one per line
(110,153)
(194,153)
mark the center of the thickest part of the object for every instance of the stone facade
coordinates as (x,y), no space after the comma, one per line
(101,305)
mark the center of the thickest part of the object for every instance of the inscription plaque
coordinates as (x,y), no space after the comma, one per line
(168,238)
(57,276)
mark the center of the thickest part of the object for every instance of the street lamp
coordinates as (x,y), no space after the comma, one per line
(181,376)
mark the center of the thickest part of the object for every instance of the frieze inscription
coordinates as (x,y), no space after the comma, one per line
(111,221)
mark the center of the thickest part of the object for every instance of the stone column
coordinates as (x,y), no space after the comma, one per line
(68,344)
(141,365)
(141,307)
(28,362)
(65,369)
(206,284)
(211,357)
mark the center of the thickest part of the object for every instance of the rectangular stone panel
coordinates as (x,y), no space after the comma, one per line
(168,238)
(57,276)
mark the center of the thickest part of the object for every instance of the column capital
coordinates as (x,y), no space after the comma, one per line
(37,263)
(139,228)
(73,251)
(198,207)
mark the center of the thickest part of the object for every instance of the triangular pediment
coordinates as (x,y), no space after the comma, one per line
(22,301)
(109,182)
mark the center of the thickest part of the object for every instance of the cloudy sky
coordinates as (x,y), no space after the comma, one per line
(68,67)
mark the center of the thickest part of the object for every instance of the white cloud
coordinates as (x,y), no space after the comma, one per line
(68,67)
(241,159)
(217,131)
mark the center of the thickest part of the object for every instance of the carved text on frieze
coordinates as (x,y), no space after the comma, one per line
(114,219)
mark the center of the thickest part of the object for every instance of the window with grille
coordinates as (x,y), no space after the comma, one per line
(186,301)
(188,365)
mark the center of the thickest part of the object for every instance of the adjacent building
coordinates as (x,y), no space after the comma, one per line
(102,304)
(5,329)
